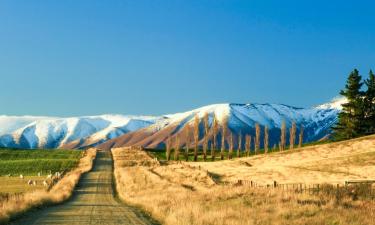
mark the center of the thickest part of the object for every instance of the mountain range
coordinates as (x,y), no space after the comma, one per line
(54,132)
(107,131)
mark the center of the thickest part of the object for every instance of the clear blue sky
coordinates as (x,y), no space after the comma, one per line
(90,57)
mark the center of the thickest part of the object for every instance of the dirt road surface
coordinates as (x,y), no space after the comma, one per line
(93,202)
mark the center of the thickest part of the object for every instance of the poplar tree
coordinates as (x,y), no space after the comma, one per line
(239,145)
(266,139)
(168,148)
(187,137)
(223,134)
(248,145)
(196,136)
(282,136)
(230,153)
(300,139)
(257,138)
(177,148)
(214,134)
(292,135)
(205,139)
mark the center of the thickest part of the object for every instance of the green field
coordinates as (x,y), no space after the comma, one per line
(31,162)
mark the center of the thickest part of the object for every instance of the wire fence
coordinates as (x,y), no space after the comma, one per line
(355,189)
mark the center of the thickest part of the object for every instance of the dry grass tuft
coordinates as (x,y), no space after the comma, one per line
(18,204)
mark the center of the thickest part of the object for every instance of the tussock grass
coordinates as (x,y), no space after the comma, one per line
(18,204)
(188,193)
(327,163)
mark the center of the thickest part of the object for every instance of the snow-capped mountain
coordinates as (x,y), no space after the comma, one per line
(73,132)
(241,119)
(108,131)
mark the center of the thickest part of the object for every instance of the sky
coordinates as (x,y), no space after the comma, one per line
(91,57)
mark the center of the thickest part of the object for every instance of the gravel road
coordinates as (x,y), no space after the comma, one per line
(93,202)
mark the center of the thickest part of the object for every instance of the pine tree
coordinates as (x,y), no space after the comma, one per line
(369,121)
(266,139)
(214,134)
(196,137)
(350,119)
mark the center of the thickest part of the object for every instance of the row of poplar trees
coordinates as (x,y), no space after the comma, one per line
(211,136)
(357,117)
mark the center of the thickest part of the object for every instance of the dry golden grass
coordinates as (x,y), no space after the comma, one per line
(328,163)
(18,204)
(191,193)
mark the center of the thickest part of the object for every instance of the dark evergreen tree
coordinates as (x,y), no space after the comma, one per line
(369,105)
(351,118)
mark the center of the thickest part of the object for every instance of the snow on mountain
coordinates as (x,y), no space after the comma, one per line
(119,130)
(9,124)
(53,132)
(241,119)
(336,103)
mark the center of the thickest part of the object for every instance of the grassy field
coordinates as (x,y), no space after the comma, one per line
(31,162)
(200,193)
(12,205)
(12,185)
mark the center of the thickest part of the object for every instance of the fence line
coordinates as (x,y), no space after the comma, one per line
(364,187)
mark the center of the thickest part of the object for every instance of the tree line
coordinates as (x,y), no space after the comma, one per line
(357,117)
(210,140)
